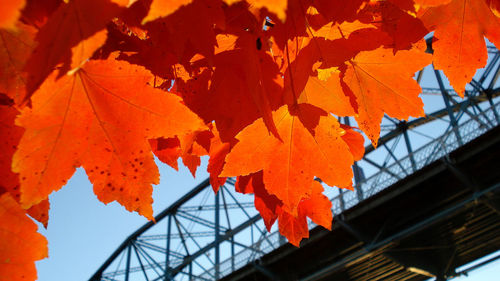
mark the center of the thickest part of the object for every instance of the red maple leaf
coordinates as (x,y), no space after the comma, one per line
(100,118)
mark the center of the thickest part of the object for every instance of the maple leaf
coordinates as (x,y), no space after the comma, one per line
(70,36)
(294,26)
(430,3)
(218,151)
(311,146)
(163,8)
(317,208)
(11,10)
(15,47)
(294,228)
(325,91)
(36,13)
(184,38)
(330,46)
(404,29)
(338,10)
(167,150)
(458,42)
(9,181)
(173,39)
(268,205)
(382,83)
(245,79)
(10,136)
(355,141)
(40,212)
(494,6)
(277,7)
(189,147)
(100,118)
(414,5)
(20,243)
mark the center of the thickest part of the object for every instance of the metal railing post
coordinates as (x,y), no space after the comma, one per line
(217,237)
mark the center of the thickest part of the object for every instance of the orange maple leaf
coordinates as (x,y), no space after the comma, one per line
(167,150)
(218,151)
(404,28)
(189,147)
(325,91)
(268,205)
(382,83)
(327,48)
(277,7)
(494,6)
(339,10)
(20,243)
(100,118)
(311,146)
(36,13)
(40,212)
(318,208)
(11,10)
(245,79)
(163,8)
(458,43)
(9,181)
(10,136)
(70,36)
(172,39)
(15,46)
(355,141)
(430,3)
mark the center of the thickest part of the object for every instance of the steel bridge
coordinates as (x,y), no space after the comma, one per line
(425,203)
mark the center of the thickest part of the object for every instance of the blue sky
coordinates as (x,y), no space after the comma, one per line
(83,232)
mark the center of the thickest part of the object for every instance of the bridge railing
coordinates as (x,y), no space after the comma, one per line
(438,148)
(423,156)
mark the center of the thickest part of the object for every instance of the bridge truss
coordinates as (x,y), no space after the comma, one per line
(207,236)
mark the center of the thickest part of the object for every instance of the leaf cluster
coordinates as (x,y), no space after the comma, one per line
(258,86)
